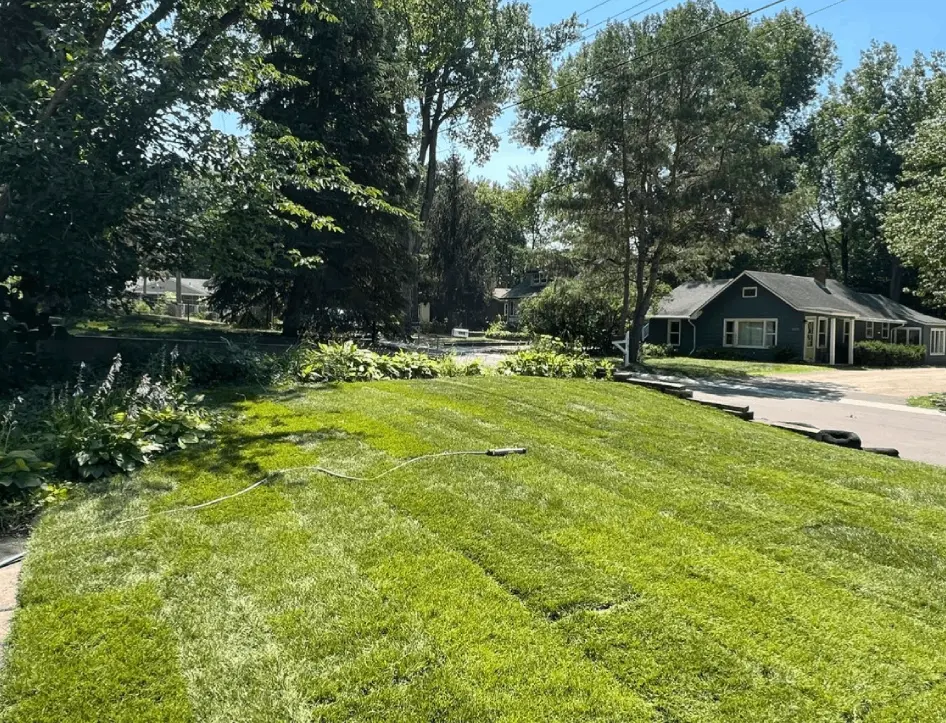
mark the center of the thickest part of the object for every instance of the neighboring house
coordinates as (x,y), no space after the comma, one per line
(818,319)
(506,302)
(193,291)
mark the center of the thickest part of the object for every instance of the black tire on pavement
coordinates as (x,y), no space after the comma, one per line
(886,451)
(839,438)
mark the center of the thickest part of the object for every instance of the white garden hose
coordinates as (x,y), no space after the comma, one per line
(500,452)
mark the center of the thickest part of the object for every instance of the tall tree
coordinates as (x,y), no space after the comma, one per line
(464,57)
(851,155)
(110,99)
(458,236)
(915,223)
(343,96)
(673,163)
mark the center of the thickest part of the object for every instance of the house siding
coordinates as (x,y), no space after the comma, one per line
(731,305)
(658,334)
(860,334)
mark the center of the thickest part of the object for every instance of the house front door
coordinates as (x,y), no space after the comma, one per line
(811,329)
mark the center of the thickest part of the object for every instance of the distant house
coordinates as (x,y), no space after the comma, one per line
(506,302)
(817,318)
(193,291)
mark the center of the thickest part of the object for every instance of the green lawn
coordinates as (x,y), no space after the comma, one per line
(649,559)
(930,401)
(724,368)
(153,325)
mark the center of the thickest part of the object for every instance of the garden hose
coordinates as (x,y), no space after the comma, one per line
(499,452)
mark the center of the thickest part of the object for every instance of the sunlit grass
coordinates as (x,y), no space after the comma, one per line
(649,559)
(724,368)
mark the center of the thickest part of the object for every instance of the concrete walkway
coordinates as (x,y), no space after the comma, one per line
(879,420)
(9,578)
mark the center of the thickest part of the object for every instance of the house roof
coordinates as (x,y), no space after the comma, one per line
(499,293)
(523,290)
(158,287)
(687,298)
(802,293)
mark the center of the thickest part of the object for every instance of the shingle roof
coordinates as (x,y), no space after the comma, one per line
(687,298)
(157,287)
(800,292)
(523,290)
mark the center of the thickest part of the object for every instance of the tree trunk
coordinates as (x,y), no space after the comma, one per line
(430,182)
(293,318)
(845,256)
(896,278)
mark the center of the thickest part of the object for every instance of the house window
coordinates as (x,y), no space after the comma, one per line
(846,332)
(750,292)
(885,330)
(750,333)
(869,330)
(908,335)
(937,342)
(822,333)
(540,277)
(674,332)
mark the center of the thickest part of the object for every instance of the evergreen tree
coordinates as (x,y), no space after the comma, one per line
(458,238)
(343,96)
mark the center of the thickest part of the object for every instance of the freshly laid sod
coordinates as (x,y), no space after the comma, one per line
(930,401)
(693,367)
(649,559)
(153,325)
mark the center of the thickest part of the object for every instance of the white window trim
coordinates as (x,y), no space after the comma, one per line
(907,330)
(679,332)
(885,330)
(868,330)
(753,289)
(938,332)
(737,322)
(827,333)
(846,327)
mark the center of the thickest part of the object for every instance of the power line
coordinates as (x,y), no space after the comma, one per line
(764,33)
(586,35)
(595,7)
(642,56)
(649,79)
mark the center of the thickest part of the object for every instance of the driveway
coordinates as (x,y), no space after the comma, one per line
(871,404)
(893,384)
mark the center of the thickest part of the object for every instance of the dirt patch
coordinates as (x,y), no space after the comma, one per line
(899,383)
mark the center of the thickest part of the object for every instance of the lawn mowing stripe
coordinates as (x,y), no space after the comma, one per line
(98,656)
(842,608)
(709,638)
(775,519)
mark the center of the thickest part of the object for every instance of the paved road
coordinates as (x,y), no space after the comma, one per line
(879,420)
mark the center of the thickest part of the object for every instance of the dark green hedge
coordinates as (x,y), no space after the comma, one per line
(882,354)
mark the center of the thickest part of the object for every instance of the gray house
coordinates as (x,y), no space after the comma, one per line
(817,318)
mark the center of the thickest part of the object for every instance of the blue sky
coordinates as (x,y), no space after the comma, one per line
(911,25)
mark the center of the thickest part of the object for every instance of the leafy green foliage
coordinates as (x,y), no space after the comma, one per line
(347,362)
(550,357)
(657,351)
(915,223)
(882,354)
(575,311)
(649,195)
(498,329)
(116,428)
(21,469)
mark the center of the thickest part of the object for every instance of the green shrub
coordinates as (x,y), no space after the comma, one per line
(657,351)
(234,364)
(550,357)
(883,354)
(345,362)
(448,366)
(581,312)
(499,329)
(785,355)
(723,353)
(406,365)
(116,427)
